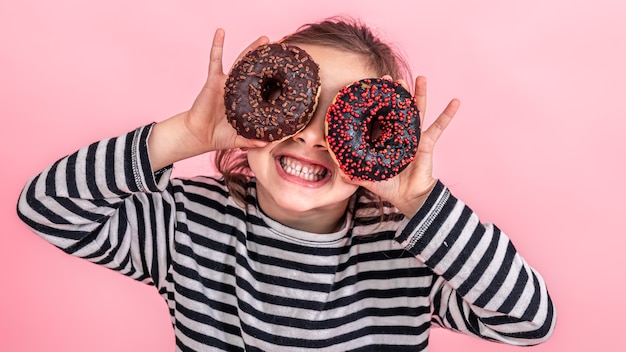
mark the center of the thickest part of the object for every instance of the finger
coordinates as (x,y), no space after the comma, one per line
(400,81)
(262,40)
(404,84)
(420,97)
(435,130)
(249,143)
(217,49)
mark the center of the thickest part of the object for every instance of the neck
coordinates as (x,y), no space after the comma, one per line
(322,221)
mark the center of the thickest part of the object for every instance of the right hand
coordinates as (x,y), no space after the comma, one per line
(204,127)
(206,119)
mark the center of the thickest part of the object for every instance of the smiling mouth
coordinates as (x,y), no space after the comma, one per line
(308,172)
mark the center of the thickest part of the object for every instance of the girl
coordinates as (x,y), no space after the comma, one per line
(282,252)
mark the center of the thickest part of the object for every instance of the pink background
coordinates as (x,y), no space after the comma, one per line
(537,146)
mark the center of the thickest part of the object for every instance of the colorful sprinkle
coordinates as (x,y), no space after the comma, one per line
(373,129)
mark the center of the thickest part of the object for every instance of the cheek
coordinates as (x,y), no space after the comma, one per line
(254,160)
(259,160)
(343,186)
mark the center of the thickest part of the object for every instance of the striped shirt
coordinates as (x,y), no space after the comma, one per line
(235,280)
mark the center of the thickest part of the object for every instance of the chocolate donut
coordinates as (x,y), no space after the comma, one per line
(373,129)
(271,92)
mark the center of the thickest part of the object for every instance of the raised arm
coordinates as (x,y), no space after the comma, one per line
(486,288)
(103,203)
(111,202)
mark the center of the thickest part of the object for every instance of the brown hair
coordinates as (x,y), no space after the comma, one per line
(347,34)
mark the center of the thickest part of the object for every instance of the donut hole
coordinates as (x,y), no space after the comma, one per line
(375,130)
(270,89)
(378,127)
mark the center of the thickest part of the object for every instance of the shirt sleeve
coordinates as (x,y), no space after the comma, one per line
(484,287)
(103,203)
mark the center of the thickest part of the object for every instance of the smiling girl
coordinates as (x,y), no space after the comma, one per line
(282,252)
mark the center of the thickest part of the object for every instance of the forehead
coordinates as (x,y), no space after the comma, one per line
(338,68)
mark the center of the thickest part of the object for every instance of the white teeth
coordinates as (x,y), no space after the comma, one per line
(308,172)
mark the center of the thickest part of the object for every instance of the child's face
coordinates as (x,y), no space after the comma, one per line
(297,178)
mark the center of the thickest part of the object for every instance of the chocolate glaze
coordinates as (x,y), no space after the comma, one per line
(372,129)
(271,92)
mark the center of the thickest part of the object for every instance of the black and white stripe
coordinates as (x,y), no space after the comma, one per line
(236,280)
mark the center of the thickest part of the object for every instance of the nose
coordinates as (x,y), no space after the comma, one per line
(313,135)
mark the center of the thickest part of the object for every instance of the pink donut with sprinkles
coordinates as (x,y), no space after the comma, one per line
(373,129)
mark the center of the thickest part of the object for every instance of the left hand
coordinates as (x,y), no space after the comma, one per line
(408,190)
